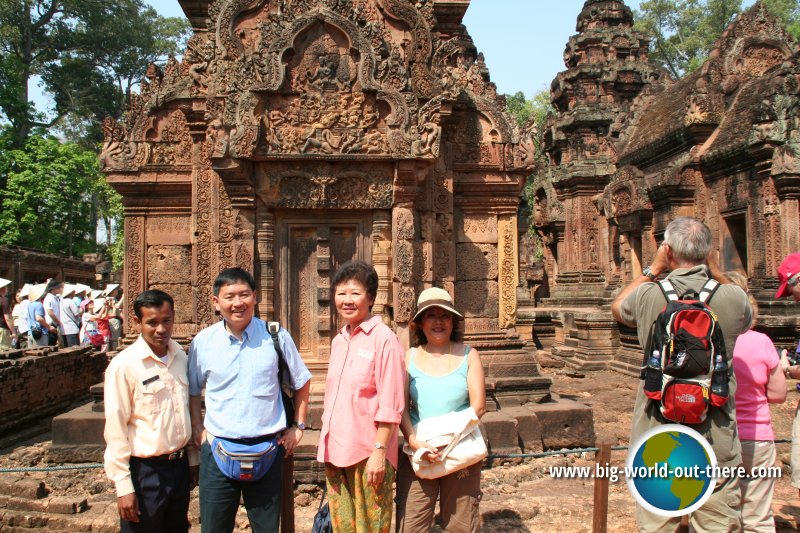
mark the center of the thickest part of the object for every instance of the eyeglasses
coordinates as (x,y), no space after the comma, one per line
(793,280)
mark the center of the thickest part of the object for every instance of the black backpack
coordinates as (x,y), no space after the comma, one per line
(685,365)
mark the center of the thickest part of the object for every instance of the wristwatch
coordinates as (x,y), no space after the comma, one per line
(379,446)
(300,425)
(647,271)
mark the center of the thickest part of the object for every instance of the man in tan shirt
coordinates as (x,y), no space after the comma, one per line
(148,428)
(687,254)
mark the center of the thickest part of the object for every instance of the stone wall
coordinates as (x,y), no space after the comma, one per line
(44,382)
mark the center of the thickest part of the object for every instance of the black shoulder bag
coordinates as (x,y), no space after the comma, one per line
(284,374)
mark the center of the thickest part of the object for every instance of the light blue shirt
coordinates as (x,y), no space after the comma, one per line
(243,397)
(35,309)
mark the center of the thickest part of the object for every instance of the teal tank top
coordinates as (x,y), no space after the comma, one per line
(437,395)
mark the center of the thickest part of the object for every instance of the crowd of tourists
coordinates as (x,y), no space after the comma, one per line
(61,314)
(227,414)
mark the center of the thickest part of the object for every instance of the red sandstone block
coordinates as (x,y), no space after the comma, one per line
(63,505)
(26,504)
(30,488)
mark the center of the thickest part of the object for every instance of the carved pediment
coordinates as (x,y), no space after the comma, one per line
(625,194)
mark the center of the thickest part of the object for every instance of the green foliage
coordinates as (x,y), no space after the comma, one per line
(538,107)
(684,31)
(788,12)
(48,201)
(519,107)
(89,55)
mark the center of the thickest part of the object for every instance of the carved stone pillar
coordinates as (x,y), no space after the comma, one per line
(265,259)
(382,261)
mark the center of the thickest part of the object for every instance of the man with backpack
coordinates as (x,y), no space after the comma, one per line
(687,255)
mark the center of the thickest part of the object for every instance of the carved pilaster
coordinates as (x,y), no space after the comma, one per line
(403,235)
(265,259)
(202,267)
(134,264)
(508,257)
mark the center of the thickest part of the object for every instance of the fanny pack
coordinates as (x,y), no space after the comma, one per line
(241,461)
(36,333)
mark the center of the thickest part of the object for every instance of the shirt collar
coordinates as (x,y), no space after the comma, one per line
(250,331)
(145,351)
(697,269)
(366,325)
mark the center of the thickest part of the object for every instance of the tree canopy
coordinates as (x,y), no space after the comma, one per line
(684,31)
(88,55)
(48,201)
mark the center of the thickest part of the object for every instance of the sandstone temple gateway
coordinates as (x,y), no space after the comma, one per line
(298,134)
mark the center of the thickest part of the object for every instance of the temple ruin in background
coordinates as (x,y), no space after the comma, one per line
(630,149)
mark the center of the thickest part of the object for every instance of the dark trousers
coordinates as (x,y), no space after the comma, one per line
(162,490)
(219,497)
(71,340)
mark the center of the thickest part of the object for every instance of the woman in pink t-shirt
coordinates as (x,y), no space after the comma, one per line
(759,382)
(364,401)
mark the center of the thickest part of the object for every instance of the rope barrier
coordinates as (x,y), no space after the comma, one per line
(490,457)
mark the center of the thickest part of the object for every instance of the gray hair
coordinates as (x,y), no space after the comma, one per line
(689,238)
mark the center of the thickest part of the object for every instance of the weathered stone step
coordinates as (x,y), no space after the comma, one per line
(57,505)
(25,488)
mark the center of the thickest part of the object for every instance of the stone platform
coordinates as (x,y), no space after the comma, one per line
(529,428)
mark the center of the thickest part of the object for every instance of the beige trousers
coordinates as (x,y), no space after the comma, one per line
(757,491)
(720,514)
(459,496)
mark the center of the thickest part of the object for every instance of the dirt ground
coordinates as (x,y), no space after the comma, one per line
(518,497)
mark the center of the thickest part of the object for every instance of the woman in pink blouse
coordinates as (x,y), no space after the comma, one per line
(759,381)
(364,400)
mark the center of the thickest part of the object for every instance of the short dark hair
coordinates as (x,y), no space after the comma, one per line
(360,271)
(151,299)
(231,276)
(419,338)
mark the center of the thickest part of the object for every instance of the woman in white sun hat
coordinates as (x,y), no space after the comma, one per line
(20,314)
(444,376)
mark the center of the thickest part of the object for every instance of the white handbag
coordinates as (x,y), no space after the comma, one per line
(458,438)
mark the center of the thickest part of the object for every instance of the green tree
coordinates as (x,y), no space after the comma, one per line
(88,53)
(788,12)
(48,199)
(683,32)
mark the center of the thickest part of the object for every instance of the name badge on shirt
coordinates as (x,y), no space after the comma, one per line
(153,379)
(366,354)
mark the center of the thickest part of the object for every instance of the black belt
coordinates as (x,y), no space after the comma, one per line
(174,456)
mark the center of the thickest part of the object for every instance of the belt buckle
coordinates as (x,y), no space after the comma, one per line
(175,455)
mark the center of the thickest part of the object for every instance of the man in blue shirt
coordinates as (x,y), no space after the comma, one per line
(37,325)
(236,362)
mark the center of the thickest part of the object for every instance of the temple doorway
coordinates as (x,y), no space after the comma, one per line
(310,247)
